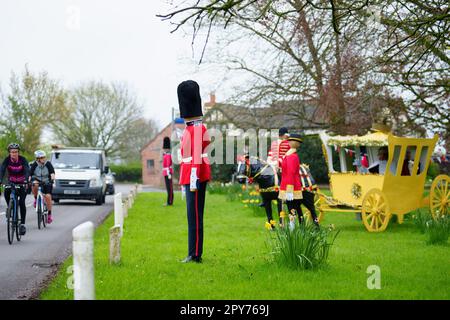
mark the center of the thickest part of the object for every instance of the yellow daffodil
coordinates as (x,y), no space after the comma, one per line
(282,214)
(268,226)
(272,222)
(243,187)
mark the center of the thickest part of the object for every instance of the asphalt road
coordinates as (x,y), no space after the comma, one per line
(27,265)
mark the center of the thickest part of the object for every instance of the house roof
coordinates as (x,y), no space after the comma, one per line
(155,137)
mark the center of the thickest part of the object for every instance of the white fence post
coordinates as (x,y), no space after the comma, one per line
(83,261)
(130,201)
(114,244)
(125,207)
(118,213)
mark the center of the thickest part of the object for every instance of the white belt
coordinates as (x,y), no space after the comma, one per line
(189,159)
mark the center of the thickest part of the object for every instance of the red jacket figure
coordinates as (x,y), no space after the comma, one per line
(194,170)
(290,177)
(167,164)
(168,170)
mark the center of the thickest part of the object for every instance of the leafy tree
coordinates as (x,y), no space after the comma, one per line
(33,102)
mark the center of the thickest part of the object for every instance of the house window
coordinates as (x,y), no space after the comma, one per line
(151,165)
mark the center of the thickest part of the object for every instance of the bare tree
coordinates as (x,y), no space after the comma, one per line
(138,134)
(101,115)
(405,57)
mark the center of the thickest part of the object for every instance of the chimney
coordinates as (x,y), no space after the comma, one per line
(212,98)
(212,101)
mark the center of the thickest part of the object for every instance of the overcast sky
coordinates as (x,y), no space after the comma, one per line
(111,40)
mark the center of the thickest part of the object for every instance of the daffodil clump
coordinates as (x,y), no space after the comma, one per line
(302,246)
(437,230)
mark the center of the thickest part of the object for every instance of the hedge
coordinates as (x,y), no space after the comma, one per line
(131,172)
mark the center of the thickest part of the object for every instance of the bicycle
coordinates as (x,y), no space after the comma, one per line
(41,208)
(12,215)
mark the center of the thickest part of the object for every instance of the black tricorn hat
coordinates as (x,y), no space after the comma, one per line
(295,137)
(189,99)
(166,143)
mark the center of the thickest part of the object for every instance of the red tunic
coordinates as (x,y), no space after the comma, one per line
(167,164)
(290,176)
(193,152)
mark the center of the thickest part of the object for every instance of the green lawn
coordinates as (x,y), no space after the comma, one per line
(237,265)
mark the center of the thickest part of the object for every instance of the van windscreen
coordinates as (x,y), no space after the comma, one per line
(73,160)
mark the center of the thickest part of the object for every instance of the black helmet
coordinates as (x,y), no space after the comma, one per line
(13,146)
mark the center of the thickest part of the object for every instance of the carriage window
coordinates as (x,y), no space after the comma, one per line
(408,162)
(335,157)
(395,158)
(422,160)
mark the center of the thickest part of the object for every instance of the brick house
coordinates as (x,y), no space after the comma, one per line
(151,154)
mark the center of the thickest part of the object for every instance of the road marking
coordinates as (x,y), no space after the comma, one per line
(2,213)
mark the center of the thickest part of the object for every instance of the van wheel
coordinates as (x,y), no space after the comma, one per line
(56,200)
(98,201)
(104,198)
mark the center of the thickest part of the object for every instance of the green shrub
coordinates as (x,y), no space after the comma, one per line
(420,219)
(438,230)
(302,247)
(433,170)
(131,172)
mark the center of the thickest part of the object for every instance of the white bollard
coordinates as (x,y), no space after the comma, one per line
(125,208)
(130,201)
(118,213)
(83,261)
(114,244)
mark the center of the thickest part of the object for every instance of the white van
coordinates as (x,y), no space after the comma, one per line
(79,174)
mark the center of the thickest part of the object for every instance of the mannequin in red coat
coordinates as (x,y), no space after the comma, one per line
(194,170)
(291,189)
(168,170)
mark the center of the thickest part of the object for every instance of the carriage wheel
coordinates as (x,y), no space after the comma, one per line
(375,211)
(440,196)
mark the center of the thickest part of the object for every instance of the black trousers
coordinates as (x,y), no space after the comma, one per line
(21,195)
(195,202)
(169,188)
(307,201)
(267,199)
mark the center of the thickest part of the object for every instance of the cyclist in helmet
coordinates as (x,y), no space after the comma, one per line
(18,173)
(42,171)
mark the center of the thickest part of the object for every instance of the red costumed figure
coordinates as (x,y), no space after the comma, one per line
(291,189)
(195,170)
(168,170)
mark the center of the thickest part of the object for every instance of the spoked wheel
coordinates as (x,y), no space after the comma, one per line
(375,211)
(440,196)
(9,223)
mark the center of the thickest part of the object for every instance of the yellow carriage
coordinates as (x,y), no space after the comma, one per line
(398,186)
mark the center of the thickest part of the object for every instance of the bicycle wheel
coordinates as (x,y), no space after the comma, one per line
(39,212)
(45,216)
(9,222)
(18,236)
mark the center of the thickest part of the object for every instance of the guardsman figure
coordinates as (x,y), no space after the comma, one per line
(195,171)
(168,170)
(291,185)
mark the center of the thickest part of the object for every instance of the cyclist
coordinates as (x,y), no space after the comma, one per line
(18,173)
(42,171)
